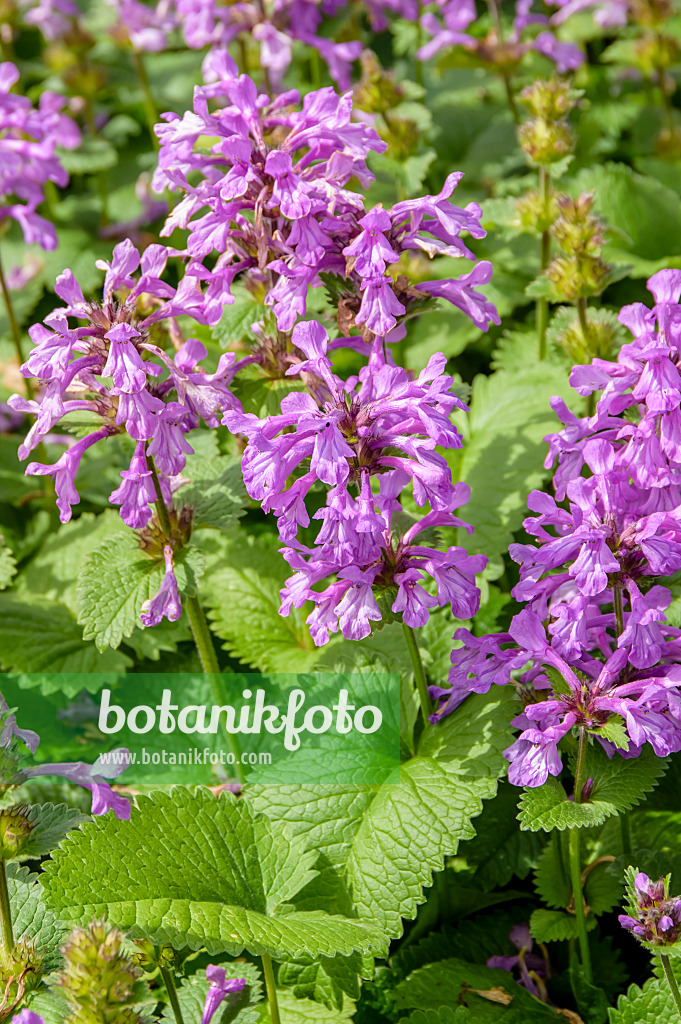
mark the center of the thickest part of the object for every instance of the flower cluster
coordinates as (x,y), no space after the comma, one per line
(654,917)
(272,201)
(449,28)
(14,772)
(28,141)
(382,425)
(601,546)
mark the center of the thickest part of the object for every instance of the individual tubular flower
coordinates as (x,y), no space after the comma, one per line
(532,969)
(166,602)
(593,578)
(654,917)
(219,989)
(28,141)
(146,28)
(285,218)
(110,364)
(14,771)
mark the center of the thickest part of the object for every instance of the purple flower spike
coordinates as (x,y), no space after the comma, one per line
(655,916)
(93,777)
(218,990)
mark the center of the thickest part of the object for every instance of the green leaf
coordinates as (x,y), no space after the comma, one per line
(94,154)
(115,581)
(446,982)
(49,825)
(238,1008)
(379,846)
(445,1015)
(215,488)
(618,785)
(556,925)
(500,851)
(236,320)
(46,638)
(192,870)
(503,453)
(642,208)
(31,919)
(326,980)
(241,595)
(652,1004)
(53,574)
(552,877)
(304,1011)
(8,567)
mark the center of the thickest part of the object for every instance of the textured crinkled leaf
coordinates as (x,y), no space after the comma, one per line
(48,1005)
(503,454)
(215,486)
(379,846)
(618,784)
(325,980)
(30,916)
(38,637)
(500,850)
(53,573)
(115,581)
(652,1004)
(556,925)
(8,567)
(238,1008)
(552,877)
(242,597)
(443,983)
(191,870)
(305,1011)
(49,825)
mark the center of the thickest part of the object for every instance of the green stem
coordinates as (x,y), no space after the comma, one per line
(583,322)
(5,912)
(160,505)
(268,971)
(167,976)
(149,105)
(576,863)
(203,638)
(671,980)
(419,674)
(418,67)
(617,601)
(13,324)
(510,98)
(545,256)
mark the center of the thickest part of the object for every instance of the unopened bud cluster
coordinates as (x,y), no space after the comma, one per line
(20,973)
(98,980)
(546,137)
(580,271)
(654,916)
(15,828)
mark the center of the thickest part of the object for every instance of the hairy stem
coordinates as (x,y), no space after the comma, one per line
(419,674)
(13,325)
(617,602)
(159,504)
(583,322)
(671,980)
(545,255)
(169,980)
(576,863)
(268,971)
(5,912)
(149,105)
(203,638)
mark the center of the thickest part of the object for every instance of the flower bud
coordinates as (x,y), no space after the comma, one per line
(533,217)
(546,142)
(550,100)
(576,230)
(654,916)
(98,980)
(602,339)
(15,828)
(654,52)
(576,277)
(20,972)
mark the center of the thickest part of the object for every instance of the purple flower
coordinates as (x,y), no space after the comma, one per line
(166,602)
(532,968)
(219,988)
(28,1017)
(654,916)
(93,777)
(136,492)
